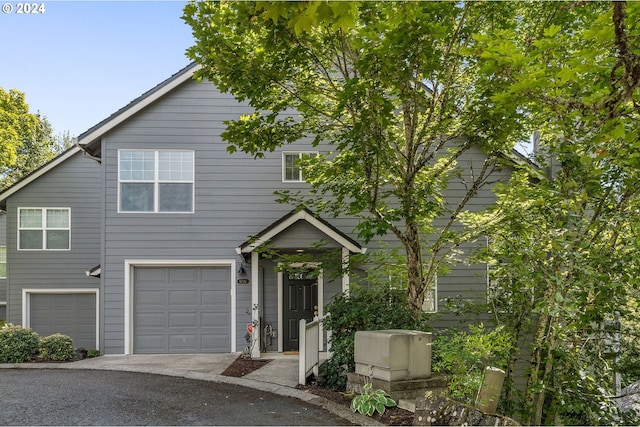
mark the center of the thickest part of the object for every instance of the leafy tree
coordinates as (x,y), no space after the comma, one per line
(26,139)
(564,245)
(396,89)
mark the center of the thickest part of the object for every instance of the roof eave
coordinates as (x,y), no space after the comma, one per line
(37,174)
(96,132)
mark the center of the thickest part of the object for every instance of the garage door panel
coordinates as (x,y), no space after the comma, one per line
(150,320)
(184,275)
(214,341)
(153,342)
(150,298)
(188,320)
(183,297)
(214,320)
(186,342)
(196,309)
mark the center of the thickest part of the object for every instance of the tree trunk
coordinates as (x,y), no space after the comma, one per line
(415,269)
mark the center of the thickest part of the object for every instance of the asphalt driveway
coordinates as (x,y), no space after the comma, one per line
(84,397)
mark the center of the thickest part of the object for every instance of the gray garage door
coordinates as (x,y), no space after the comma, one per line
(68,314)
(182,310)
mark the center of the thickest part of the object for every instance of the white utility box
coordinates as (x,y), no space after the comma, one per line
(393,355)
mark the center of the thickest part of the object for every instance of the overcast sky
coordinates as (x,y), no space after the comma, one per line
(80,61)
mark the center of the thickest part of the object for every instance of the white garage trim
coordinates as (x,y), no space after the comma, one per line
(26,308)
(130,264)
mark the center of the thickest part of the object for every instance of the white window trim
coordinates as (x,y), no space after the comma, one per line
(26,304)
(130,264)
(156,183)
(5,263)
(435,297)
(44,229)
(284,164)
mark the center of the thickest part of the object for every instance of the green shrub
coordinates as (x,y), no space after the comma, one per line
(369,401)
(93,353)
(57,347)
(17,344)
(375,308)
(463,356)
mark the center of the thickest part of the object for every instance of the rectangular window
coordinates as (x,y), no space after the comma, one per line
(3,262)
(44,229)
(156,181)
(430,303)
(291,169)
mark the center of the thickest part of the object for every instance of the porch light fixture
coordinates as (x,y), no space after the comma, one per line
(243,278)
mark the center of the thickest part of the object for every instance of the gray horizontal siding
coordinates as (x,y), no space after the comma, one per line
(74,184)
(233,201)
(233,196)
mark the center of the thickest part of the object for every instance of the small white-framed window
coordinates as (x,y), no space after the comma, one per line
(3,262)
(156,181)
(430,303)
(44,229)
(291,169)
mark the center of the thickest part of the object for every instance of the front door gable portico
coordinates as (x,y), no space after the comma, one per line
(299,227)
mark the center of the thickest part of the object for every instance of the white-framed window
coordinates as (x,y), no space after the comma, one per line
(156,181)
(44,229)
(291,169)
(3,262)
(430,303)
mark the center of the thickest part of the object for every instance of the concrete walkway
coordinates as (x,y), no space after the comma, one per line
(280,376)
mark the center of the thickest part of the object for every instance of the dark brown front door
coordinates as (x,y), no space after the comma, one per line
(300,302)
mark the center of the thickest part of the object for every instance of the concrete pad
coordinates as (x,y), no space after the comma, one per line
(281,371)
(203,363)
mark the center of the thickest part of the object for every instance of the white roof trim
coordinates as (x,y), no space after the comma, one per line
(39,172)
(126,114)
(304,215)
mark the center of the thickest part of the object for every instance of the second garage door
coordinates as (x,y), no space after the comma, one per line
(182,310)
(72,314)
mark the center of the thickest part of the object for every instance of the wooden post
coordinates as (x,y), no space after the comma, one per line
(489,392)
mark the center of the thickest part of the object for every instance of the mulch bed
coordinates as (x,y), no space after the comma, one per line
(241,366)
(393,416)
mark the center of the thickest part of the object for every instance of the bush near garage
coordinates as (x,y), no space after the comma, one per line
(17,344)
(56,347)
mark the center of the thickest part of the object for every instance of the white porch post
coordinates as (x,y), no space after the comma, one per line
(345,275)
(255,305)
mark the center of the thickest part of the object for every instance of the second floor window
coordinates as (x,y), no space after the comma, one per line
(156,181)
(291,169)
(44,229)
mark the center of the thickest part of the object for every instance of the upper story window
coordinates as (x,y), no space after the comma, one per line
(291,169)
(3,262)
(156,181)
(44,229)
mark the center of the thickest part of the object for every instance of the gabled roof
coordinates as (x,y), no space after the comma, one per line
(37,173)
(94,134)
(291,218)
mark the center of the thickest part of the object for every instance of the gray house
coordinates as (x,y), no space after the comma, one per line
(135,239)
